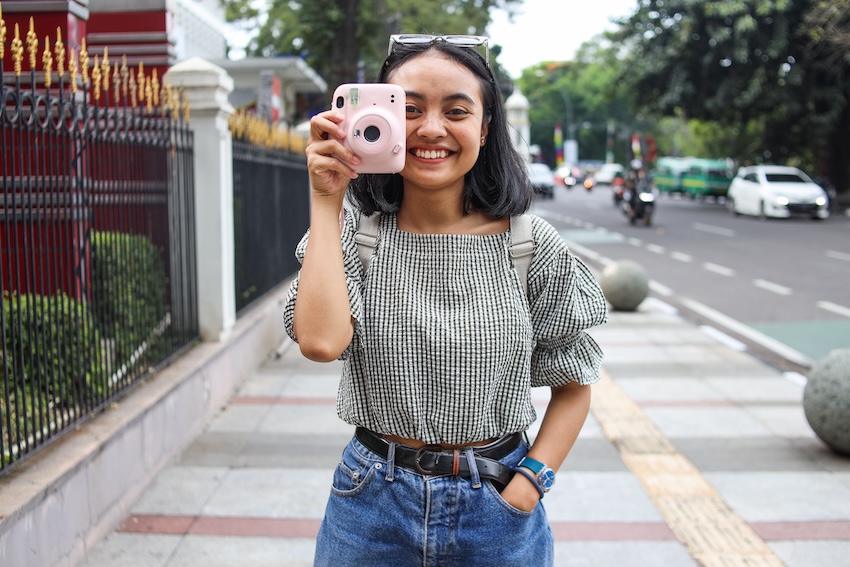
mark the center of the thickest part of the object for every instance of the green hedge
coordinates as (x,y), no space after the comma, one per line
(128,290)
(52,348)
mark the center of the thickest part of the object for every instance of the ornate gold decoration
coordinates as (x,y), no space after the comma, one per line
(116,83)
(32,44)
(104,69)
(125,78)
(84,63)
(72,69)
(95,78)
(185,108)
(148,95)
(59,52)
(155,88)
(17,51)
(134,100)
(47,62)
(2,34)
(140,80)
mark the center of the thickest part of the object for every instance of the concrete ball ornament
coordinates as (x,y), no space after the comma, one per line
(625,284)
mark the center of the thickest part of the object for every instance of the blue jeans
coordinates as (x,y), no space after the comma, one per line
(379,514)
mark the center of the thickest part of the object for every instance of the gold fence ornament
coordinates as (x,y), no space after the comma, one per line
(2,34)
(148,95)
(59,52)
(140,80)
(17,51)
(95,78)
(104,70)
(47,62)
(72,69)
(116,82)
(134,100)
(32,44)
(125,78)
(185,108)
(84,63)
(155,87)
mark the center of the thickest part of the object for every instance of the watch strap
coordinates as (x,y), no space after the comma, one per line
(532,464)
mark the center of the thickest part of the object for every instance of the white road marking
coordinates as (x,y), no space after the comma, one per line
(714,229)
(635,241)
(838,255)
(660,289)
(718,269)
(834,308)
(774,287)
(655,248)
(681,256)
(748,332)
(723,338)
(795,378)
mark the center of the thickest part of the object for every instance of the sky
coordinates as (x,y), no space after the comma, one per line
(551,30)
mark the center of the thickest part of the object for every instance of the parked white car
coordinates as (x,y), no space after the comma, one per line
(776,191)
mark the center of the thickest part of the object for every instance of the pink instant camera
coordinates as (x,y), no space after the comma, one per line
(374,124)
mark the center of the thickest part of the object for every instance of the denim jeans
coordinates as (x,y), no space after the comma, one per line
(379,514)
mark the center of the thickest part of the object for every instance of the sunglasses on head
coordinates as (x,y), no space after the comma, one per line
(458,40)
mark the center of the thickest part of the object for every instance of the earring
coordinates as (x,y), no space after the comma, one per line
(483,141)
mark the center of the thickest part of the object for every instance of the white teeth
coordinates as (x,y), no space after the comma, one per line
(431,154)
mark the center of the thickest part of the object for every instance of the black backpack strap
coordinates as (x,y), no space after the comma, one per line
(522,247)
(366,238)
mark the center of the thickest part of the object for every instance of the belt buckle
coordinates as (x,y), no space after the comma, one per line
(418,457)
(439,450)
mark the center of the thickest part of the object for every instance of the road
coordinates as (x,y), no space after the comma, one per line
(780,286)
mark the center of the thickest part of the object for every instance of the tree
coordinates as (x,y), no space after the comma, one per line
(346,40)
(780,63)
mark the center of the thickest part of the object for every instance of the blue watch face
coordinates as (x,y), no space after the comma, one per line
(547,479)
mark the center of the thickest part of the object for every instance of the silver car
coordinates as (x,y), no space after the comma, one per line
(776,191)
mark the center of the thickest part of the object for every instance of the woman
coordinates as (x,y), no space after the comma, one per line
(440,342)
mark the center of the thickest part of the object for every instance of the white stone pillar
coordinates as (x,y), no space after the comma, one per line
(208,87)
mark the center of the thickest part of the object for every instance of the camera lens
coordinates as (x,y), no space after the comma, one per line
(372,133)
(340,101)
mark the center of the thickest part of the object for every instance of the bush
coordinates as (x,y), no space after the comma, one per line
(52,348)
(128,290)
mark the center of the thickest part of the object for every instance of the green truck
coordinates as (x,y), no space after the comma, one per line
(697,178)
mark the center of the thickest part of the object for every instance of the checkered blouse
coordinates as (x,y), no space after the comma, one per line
(447,345)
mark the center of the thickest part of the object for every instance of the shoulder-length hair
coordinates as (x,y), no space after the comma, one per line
(498,182)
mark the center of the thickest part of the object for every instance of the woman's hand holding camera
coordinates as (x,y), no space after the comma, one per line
(329,163)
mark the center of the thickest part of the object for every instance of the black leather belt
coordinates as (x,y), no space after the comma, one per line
(435,460)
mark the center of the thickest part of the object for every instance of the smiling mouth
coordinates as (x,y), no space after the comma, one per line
(430,154)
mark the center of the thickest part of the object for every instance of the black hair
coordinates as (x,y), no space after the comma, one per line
(498,182)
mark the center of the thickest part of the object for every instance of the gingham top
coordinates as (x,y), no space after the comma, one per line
(446,343)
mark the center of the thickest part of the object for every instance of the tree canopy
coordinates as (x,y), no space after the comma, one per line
(780,66)
(346,40)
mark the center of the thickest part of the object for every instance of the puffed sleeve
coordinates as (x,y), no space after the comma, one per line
(565,300)
(353,277)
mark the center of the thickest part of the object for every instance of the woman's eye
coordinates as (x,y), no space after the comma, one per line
(411,109)
(457,112)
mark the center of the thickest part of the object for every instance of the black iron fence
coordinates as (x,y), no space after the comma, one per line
(271,206)
(97,230)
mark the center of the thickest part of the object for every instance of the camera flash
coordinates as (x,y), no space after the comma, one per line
(354,96)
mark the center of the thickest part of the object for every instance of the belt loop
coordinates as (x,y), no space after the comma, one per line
(473,467)
(391,462)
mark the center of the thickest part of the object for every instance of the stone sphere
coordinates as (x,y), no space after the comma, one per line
(826,400)
(625,284)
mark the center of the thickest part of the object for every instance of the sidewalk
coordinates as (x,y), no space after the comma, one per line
(695,453)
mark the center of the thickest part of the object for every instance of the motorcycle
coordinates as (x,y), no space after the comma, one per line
(638,205)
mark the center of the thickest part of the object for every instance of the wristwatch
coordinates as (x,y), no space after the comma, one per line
(545,475)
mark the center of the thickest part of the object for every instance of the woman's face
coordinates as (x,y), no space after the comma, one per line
(445,120)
